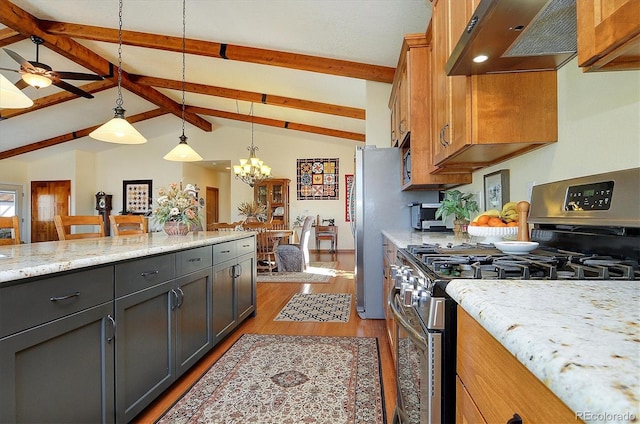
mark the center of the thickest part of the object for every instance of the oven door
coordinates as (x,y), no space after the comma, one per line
(418,368)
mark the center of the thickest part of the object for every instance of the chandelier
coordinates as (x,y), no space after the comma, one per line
(251,171)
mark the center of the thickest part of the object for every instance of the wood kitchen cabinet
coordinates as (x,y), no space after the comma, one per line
(274,192)
(494,385)
(608,34)
(411,117)
(57,349)
(388,259)
(484,119)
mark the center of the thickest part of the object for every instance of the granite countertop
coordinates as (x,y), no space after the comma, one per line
(36,259)
(580,338)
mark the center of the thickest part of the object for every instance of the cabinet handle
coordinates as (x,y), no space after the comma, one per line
(225,251)
(239,271)
(113,327)
(149,273)
(443,140)
(516,419)
(194,260)
(174,305)
(181,298)
(68,296)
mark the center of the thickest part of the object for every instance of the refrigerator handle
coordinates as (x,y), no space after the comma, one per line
(352,203)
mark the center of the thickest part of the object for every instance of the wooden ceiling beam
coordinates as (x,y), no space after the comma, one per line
(21,21)
(269,99)
(279,124)
(9,36)
(57,98)
(342,68)
(74,135)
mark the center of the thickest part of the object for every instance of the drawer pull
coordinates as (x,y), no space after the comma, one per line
(225,251)
(149,273)
(69,296)
(516,419)
(194,260)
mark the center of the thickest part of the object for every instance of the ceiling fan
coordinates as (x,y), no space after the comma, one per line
(40,75)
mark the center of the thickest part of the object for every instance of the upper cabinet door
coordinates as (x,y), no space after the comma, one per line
(608,34)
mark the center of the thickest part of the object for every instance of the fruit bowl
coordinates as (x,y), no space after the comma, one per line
(516,247)
(492,234)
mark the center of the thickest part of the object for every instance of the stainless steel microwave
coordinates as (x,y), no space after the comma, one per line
(423,217)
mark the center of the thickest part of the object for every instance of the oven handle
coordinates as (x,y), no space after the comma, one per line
(416,337)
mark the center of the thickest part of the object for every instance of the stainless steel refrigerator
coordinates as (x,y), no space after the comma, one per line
(379,205)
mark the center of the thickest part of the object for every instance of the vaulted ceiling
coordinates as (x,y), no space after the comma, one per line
(302,63)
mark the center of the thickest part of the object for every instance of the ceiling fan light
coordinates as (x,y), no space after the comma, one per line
(36,81)
(118,130)
(183,152)
(11,97)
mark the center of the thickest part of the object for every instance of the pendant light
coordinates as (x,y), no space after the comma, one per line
(252,171)
(118,130)
(183,152)
(11,97)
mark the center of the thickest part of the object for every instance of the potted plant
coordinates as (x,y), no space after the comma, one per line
(252,211)
(460,205)
(178,209)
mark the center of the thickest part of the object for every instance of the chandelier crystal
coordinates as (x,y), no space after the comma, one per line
(252,171)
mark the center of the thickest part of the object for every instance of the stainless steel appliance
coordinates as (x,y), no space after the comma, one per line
(423,217)
(379,204)
(587,228)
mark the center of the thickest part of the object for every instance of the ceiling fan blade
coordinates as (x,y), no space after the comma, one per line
(7,69)
(78,76)
(21,60)
(72,89)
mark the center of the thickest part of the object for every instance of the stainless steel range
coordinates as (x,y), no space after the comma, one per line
(587,228)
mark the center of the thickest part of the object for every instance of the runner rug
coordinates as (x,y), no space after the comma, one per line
(317,272)
(273,379)
(317,307)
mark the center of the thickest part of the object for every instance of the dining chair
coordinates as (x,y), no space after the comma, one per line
(295,257)
(65,224)
(223,226)
(256,225)
(122,225)
(267,243)
(10,224)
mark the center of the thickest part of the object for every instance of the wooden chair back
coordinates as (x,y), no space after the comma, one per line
(256,225)
(123,225)
(266,245)
(64,225)
(223,226)
(11,223)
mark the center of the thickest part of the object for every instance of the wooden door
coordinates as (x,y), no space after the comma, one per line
(213,206)
(48,198)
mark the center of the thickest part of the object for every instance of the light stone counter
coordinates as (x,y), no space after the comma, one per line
(36,259)
(580,338)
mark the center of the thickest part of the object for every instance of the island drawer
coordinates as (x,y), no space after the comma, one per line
(32,303)
(194,259)
(224,251)
(143,273)
(246,245)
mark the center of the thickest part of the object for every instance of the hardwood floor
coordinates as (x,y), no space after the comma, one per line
(271,298)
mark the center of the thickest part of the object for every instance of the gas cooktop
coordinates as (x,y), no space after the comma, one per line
(484,261)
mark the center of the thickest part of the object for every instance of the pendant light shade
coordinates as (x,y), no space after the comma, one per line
(118,130)
(11,97)
(183,152)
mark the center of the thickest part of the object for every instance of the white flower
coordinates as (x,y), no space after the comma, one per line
(174,211)
(163,200)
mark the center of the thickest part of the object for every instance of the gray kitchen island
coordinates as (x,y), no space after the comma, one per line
(94,330)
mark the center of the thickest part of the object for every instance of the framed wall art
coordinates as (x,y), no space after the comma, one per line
(318,179)
(349,200)
(496,189)
(137,197)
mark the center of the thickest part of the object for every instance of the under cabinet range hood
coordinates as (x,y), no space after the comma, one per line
(516,36)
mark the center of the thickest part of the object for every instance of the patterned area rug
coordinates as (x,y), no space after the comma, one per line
(288,379)
(318,272)
(317,307)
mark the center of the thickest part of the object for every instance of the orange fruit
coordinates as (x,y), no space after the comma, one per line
(474,224)
(494,222)
(512,224)
(483,219)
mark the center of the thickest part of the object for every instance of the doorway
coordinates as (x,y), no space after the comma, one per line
(48,198)
(213,206)
(11,198)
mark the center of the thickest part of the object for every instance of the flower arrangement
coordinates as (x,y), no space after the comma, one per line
(252,209)
(178,205)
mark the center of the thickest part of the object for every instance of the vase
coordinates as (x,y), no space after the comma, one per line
(173,228)
(460,229)
(251,219)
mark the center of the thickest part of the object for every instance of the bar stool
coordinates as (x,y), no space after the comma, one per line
(327,232)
